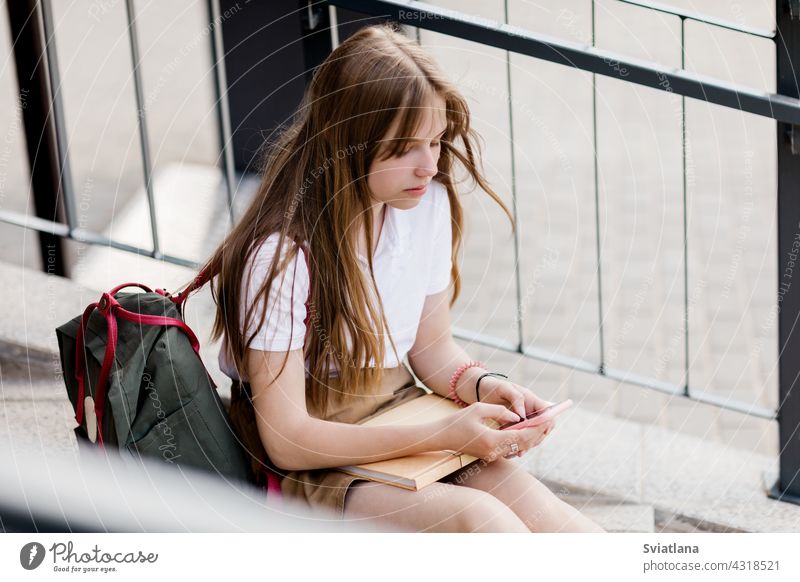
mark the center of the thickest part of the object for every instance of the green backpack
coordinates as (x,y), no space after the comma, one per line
(133,374)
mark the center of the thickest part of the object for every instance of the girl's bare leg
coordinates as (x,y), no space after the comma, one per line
(535,505)
(436,508)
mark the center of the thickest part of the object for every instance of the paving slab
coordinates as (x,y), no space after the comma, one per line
(622,518)
(717,486)
(593,452)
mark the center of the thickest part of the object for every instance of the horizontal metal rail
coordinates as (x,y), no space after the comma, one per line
(697,17)
(581,56)
(82,235)
(617,374)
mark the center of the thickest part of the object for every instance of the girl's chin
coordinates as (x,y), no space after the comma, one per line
(405,203)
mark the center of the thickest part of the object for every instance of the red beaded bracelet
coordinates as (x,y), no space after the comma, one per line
(455,377)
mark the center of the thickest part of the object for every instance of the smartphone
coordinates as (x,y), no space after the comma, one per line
(538,417)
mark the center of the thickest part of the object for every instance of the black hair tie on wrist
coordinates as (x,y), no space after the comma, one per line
(478,383)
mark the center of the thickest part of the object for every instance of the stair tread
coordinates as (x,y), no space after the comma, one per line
(622,517)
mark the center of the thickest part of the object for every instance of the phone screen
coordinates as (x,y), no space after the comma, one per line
(533,414)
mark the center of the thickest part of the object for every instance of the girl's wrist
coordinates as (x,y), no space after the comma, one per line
(455,381)
(466,384)
(440,435)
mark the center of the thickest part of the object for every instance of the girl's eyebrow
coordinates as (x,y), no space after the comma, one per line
(423,139)
(412,138)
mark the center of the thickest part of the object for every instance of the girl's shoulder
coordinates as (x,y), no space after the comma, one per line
(266,248)
(264,251)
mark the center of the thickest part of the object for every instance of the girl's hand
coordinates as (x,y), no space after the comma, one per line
(496,390)
(466,431)
(527,438)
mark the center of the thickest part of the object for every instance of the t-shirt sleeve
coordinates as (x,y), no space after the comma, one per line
(284,326)
(441,261)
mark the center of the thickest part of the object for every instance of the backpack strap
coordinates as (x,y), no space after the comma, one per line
(159,320)
(110,308)
(117,289)
(201,279)
(273,487)
(80,368)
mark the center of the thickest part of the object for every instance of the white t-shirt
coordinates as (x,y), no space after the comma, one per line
(412,260)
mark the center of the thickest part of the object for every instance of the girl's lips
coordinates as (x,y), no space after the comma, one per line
(417,191)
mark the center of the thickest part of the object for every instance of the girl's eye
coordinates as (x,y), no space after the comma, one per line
(408,148)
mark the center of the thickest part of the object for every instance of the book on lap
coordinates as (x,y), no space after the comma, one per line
(414,471)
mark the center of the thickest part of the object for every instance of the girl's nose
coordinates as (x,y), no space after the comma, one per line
(428,165)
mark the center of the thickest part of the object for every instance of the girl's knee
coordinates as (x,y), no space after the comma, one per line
(440,507)
(486,513)
(507,481)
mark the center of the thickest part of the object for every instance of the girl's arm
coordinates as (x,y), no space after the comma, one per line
(296,441)
(435,355)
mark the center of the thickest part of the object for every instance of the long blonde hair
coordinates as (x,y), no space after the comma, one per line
(311,193)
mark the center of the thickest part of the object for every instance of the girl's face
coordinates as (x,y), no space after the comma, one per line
(402,181)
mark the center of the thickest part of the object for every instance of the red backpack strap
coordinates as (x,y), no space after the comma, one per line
(159,320)
(201,279)
(273,486)
(80,364)
(117,289)
(110,308)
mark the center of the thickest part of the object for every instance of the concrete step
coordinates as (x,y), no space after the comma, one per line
(35,414)
(613,514)
(621,518)
(37,425)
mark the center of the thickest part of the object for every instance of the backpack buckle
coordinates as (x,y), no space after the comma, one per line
(106,304)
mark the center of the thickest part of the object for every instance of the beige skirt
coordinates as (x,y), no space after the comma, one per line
(327,488)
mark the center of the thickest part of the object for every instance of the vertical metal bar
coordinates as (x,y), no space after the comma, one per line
(333,18)
(222,105)
(65,177)
(600,326)
(685,224)
(41,113)
(514,208)
(787,487)
(142,119)
(418,33)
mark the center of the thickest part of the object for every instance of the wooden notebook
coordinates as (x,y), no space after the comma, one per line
(414,471)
